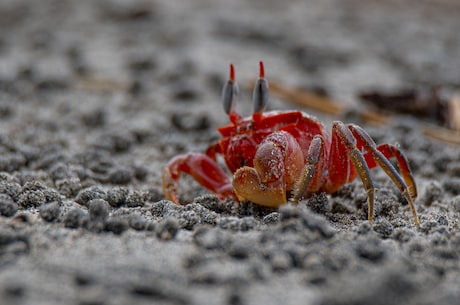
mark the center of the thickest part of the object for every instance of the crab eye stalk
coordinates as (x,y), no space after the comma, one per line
(229,94)
(260,92)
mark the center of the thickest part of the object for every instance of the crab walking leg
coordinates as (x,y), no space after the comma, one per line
(366,141)
(390,151)
(201,167)
(277,166)
(310,179)
(343,150)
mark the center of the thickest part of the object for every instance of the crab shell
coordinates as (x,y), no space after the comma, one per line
(242,151)
(239,143)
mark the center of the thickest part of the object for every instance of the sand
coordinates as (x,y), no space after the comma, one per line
(97,96)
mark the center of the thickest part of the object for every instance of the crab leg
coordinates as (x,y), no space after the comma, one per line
(310,179)
(343,150)
(379,157)
(201,167)
(390,151)
(277,167)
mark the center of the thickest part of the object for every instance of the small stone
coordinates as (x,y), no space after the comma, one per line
(212,238)
(12,189)
(29,199)
(383,227)
(68,187)
(364,228)
(74,218)
(98,210)
(186,91)
(318,203)
(88,194)
(137,222)
(33,186)
(271,219)
(188,220)
(433,192)
(117,197)
(121,176)
(452,186)
(160,208)
(116,225)
(240,250)
(455,204)
(151,226)
(167,229)
(135,199)
(403,235)
(10,162)
(7,206)
(341,207)
(50,211)
(370,249)
(280,261)
(141,172)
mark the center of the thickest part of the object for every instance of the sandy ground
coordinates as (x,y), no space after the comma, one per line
(97,96)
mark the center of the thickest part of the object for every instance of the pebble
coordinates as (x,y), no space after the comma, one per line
(74,218)
(280,261)
(98,210)
(138,223)
(50,211)
(31,199)
(212,238)
(135,199)
(433,192)
(116,225)
(121,175)
(7,206)
(370,249)
(383,227)
(88,194)
(117,197)
(452,186)
(167,228)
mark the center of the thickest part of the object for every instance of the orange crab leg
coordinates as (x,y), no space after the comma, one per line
(343,151)
(378,157)
(201,167)
(390,151)
(278,163)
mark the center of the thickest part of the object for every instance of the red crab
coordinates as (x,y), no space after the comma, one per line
(277,156)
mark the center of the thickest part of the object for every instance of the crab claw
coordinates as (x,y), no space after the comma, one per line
(277,166)
(248,186)
(202,168)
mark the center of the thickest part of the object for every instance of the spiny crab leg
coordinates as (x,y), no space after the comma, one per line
(408,192)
